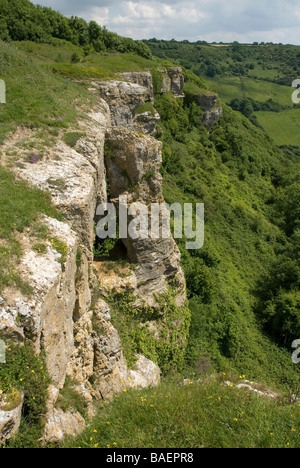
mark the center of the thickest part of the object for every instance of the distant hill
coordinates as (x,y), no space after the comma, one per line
(254,79)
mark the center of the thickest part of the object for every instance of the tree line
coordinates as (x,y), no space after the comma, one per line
(20,20)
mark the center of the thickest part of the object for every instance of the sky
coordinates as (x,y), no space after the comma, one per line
(245,21)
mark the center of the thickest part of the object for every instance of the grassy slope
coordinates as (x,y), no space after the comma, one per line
(284,127)
(207,415)
(103,66)
(241,87)
(36,97)
(47,104)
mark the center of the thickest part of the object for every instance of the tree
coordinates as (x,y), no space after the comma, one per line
(80,28)
(211,71)
(95,31)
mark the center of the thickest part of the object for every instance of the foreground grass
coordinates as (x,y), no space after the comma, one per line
(26,373)
(198,415)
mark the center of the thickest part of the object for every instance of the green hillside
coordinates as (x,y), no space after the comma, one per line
(261,72)
(236,171)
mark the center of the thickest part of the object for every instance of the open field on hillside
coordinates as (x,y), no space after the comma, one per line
(232,87)
(282,127)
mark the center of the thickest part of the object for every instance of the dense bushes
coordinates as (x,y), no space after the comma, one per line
(159,333)
(249,105)
(279,295)
(238,174)
(20,20)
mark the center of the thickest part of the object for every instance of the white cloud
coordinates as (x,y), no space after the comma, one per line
(219,20)
(99,14)
(143,19)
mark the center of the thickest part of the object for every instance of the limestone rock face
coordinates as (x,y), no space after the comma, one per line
(135,161)
(130,158)
(209,118)
(10,420)
(47,318)
(123,99)
(75,179)
(109,362)
(145,122)
(211,108)
(145,373)
(59,423)
(126,100)
(9,327)
(173,80)
(142,79)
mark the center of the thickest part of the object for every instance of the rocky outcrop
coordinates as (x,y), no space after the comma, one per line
(172,81)
(10,415)
(109,367)
(135,161)
(124,99)
(47,317)
(211,107)
(144,374)
(254,387)
(146,121)
(143,78)
(61,423)
(60,317)
(75,178)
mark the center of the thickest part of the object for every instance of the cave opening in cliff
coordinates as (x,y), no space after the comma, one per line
(109,250)
(111,262)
